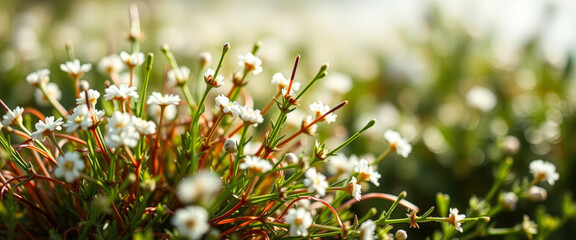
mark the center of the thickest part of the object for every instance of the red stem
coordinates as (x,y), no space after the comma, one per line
(386,196)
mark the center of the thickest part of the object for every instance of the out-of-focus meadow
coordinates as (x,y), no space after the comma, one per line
(469,83)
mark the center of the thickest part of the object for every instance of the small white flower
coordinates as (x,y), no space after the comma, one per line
(93,96)
(316,182)
(279,80)
(530,227)
(211,80)
(455,219)
(367,229)
(339,165)
(82,118)
(144,127)
(124,78)
(111,64)
(255,164)
(126,136)
(312,129)
(191,222)
(69,166)
(14,116)
(251,116)
(52,90)
(542,170)
(163,100)
(170,112)
(481,98)
(509,200)
(250,63)
(537,194)
(39,77)
(47,127)
(401,235)
(354,189)
(75,69)
(119,120)
(227,106)
(320,109)
(120,93)
(366,172)
(300,220)
(174,79)
(132,60)
(200,187)
(402,146)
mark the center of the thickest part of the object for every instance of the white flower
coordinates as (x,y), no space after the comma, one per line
(542,170)
(14,116)
(124,78)
(251,116)
(47,127)
(52,90)
(163,100)
(339,165)
(315,181)
(191,222)
(255,164)
(211,80)
(69,166)
(481,98)
(174,79)
(132,60)
(111,64)
(300,220)
(119,120)
(75,69)
(366,172)
(82,118)
(537,194)
(121,131)
(120,93)
(320,109)
(39,77)
(170,112)
(312,129)
(250,63)
(401,235)
(455,219)
(402,146)
(530,227)
(354,189)
(228,107)
(279,80)
(367,229)
(200,187)
(338,83)
(93,96)
(144,127)
(509,200)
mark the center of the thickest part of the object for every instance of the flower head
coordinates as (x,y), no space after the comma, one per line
(191,222)
(366,172)
(121,131)
(509,200)
(320,109)
(75,69)
(250,63)
(200,187)
(339,165)
(111,64)
(82,118)
(530,227)
(542,170)
(120,93)
(227,106)
(47,127)
(163,100)
(69,166)
(211,80)
(279,80)
(52,91)
(14,116)
(367,229)
(93,96)
(300,220)
(401,145)
(132,60)
(455,219)
(316,182)
(481,98)
(354,189)
(255,164)
(39,77)
(251,116)
(174,79)
(144,127)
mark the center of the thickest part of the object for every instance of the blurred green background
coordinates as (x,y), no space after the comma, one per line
(410,64)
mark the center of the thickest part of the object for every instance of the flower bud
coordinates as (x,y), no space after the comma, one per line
(510,145)
(83,85)
(537,194)
(204,59)
(291,158)
(401,235)
(230,146)
(509,201)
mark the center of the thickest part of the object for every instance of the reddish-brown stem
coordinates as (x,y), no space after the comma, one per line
(101,146)
(232,90)
(117,215)
(72,138)
(45,154)
(77,201)
(293,74)
(257,232)
(157,144)
(386,196)
(232,210)
(35,112)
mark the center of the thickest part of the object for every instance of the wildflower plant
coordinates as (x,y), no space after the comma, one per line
(101,169)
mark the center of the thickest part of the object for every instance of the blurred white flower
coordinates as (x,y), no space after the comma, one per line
(170,112)
(320,109)
(191,222)
(481,98)
(211,80)
(163,100)
(111,64)
(201,187)
(228,107)
(366,172)
(144,127)
(251,116)
(69,166)
(530,227)
(175,80)
(455,219)
(250,63)
(47,126)
(39,77)
(316,182)
(339,165)
(132,60)
(537,194)
(544,171)
(93,96)
(367,229)
(255,164)
(120,93)
(402,146)
(52,90)
(338,83)
(14,116)
(509,200)
(75,69)
(300,220)
(401,235)
(279,80)
(125,136)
